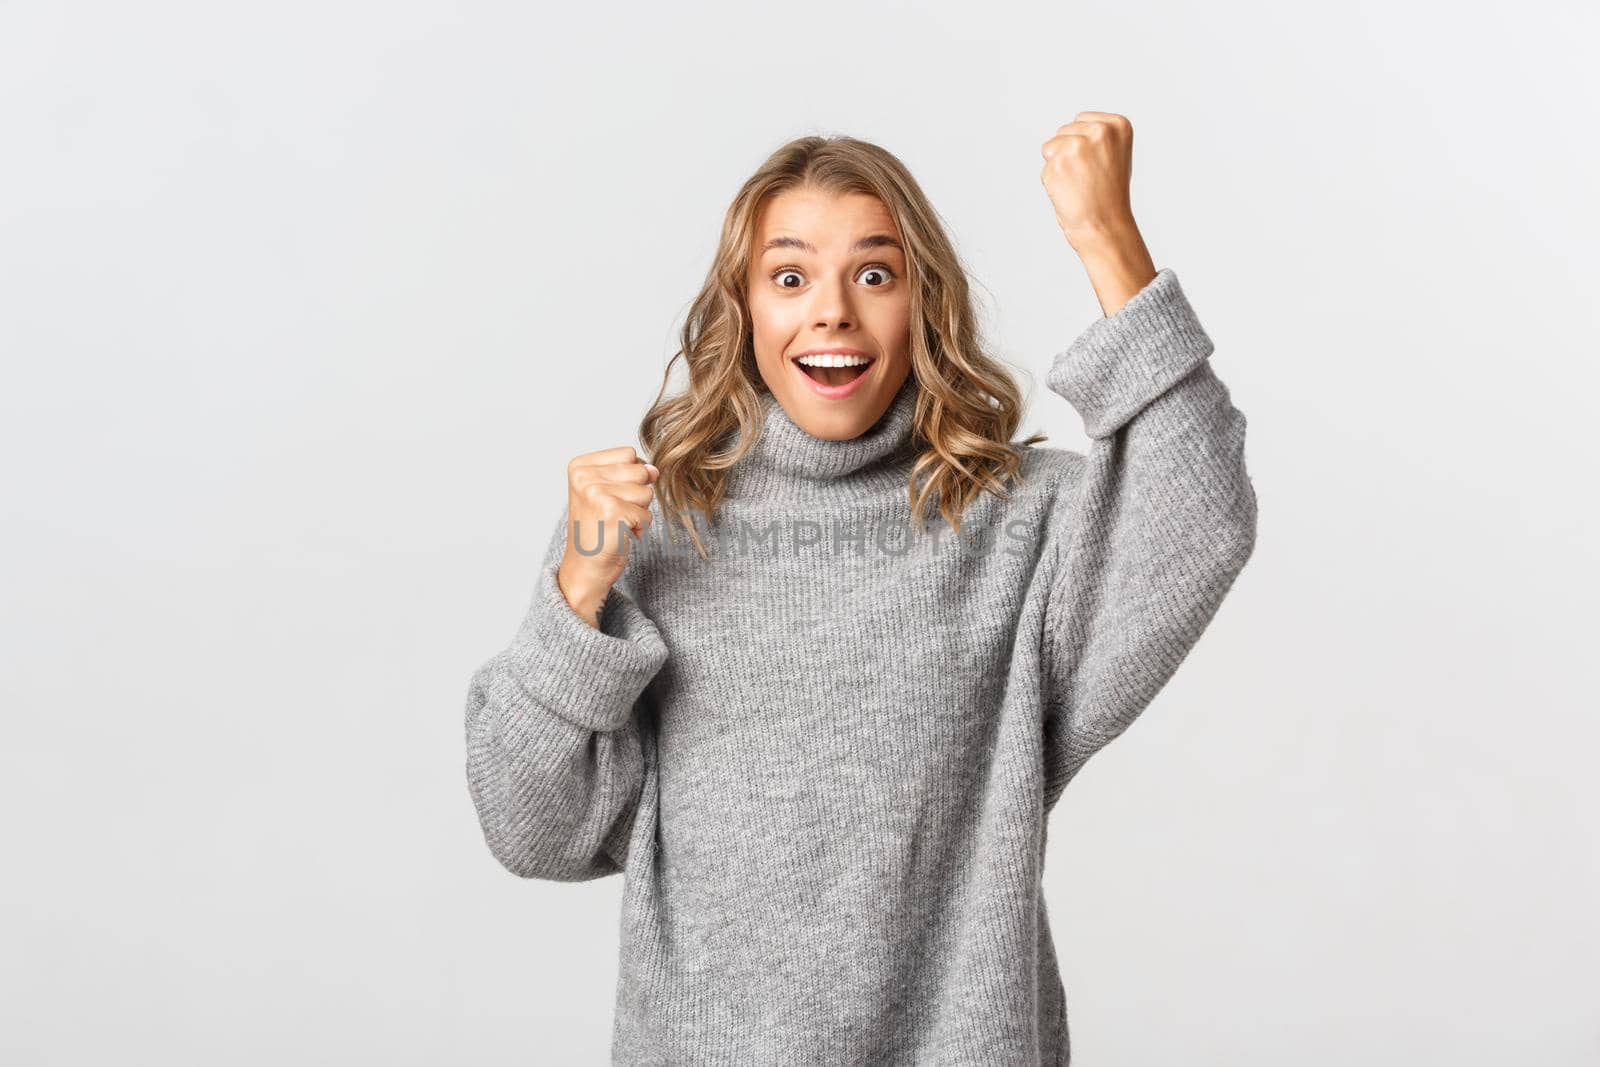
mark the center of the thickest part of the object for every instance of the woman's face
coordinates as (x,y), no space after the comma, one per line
(827,273)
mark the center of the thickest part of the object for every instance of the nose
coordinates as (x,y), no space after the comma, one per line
(833,310)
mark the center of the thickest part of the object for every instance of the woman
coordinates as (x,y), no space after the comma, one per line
(824,743)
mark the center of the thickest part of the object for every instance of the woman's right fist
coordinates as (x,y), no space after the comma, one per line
(608,505)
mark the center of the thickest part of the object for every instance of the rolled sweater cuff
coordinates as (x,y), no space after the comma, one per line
(1126,360)
(562,664)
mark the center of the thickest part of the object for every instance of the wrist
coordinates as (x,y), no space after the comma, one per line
(1117,261)
(1106,238)
(584,598)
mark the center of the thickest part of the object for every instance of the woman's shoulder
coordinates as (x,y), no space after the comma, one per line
(1051,476)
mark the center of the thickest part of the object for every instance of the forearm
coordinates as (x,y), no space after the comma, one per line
(1117,261)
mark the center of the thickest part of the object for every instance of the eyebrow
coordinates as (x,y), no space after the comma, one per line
(877,240)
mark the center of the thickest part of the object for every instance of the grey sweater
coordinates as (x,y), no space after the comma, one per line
(825,758)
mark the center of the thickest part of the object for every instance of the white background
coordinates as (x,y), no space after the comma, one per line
(305,306)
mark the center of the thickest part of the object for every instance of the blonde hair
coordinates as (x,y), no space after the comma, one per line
(968,405)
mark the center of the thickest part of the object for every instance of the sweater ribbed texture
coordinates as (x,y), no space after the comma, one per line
(825,759)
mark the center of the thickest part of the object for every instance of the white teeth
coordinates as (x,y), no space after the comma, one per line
(833,360)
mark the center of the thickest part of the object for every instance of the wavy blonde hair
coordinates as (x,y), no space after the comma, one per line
(968,404)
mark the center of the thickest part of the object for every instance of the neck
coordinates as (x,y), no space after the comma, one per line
(788,462)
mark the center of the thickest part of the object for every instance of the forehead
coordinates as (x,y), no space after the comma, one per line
(825,221)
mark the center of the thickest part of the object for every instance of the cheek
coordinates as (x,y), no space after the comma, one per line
(773,324)
(892,323)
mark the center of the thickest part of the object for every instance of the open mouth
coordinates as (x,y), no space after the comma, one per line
(834,370)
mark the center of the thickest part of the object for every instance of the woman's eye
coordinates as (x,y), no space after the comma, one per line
(882,271)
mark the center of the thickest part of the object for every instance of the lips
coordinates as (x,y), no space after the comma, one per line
(835,366)
(828,375)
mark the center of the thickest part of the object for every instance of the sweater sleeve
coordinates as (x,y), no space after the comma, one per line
(1155,521)
(554,761)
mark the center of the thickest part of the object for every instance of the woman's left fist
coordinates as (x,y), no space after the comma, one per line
(1088,165)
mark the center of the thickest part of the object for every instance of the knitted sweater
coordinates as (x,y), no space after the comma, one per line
(825,758)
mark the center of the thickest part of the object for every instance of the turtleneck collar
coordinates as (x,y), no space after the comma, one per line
(787,461)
